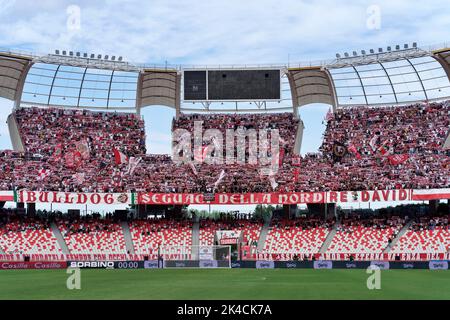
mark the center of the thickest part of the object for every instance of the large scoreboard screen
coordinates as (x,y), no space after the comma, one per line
(232,85)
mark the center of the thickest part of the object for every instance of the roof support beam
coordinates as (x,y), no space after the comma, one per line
(81,86)
(418,77)
(389,78)
(362,86)
(109,90)
(53,82)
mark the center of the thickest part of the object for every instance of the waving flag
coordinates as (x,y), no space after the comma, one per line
(73,159)
(119,157)
(447,142)
(373,143)
(273,183)
(221,176)
(352,149)
(132,165)
(83,149)
(43,173)
(339,151)
(398,159)
(384,150)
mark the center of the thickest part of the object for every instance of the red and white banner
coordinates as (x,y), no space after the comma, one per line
(232,198)
(368,196)
(430,194)
(396,195)
(6,195)
(26,196)
(398,159)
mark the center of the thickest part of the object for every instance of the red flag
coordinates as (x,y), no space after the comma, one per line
(119,157)
(353,150)
(398,158)
(73,159)
(384,149)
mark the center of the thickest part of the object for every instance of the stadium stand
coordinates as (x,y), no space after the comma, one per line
(416,132)
(425,235)
(27,236)
(93,236)
(357,235)
(297,236)
(250,230)
(149,235)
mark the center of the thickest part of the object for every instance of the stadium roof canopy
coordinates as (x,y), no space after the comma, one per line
(397,77)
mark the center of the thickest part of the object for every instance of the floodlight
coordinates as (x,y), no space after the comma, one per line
(380,50)
(99,56)
(397,47)
(92,56)
(346,54)
(57,52)
(414,44)
(64,52)
(120,58)
(405,46)
(78,54)
(338,55)
(363,52)
(354,53)
(71,53)
(85,55)
(113,58)
(371,51)
(389,48)
(106,57)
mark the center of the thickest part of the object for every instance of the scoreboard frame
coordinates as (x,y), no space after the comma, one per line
(207,100)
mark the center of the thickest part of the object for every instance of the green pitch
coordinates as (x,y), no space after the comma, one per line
(224,284)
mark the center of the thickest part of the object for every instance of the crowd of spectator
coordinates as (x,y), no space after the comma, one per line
(417,131)
(427,223)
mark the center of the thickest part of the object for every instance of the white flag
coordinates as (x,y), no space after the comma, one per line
(373,143)
(273,183)
(221,176)
(132,165)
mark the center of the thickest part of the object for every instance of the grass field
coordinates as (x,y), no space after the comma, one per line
(224,284)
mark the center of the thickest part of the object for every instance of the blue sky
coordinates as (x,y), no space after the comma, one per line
(217,32)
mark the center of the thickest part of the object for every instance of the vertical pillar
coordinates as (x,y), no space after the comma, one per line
(31,209)
(433,206)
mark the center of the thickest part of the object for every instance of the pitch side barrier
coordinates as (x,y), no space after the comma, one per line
(368,196)
(328,264)
(404,257)
(260,264)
